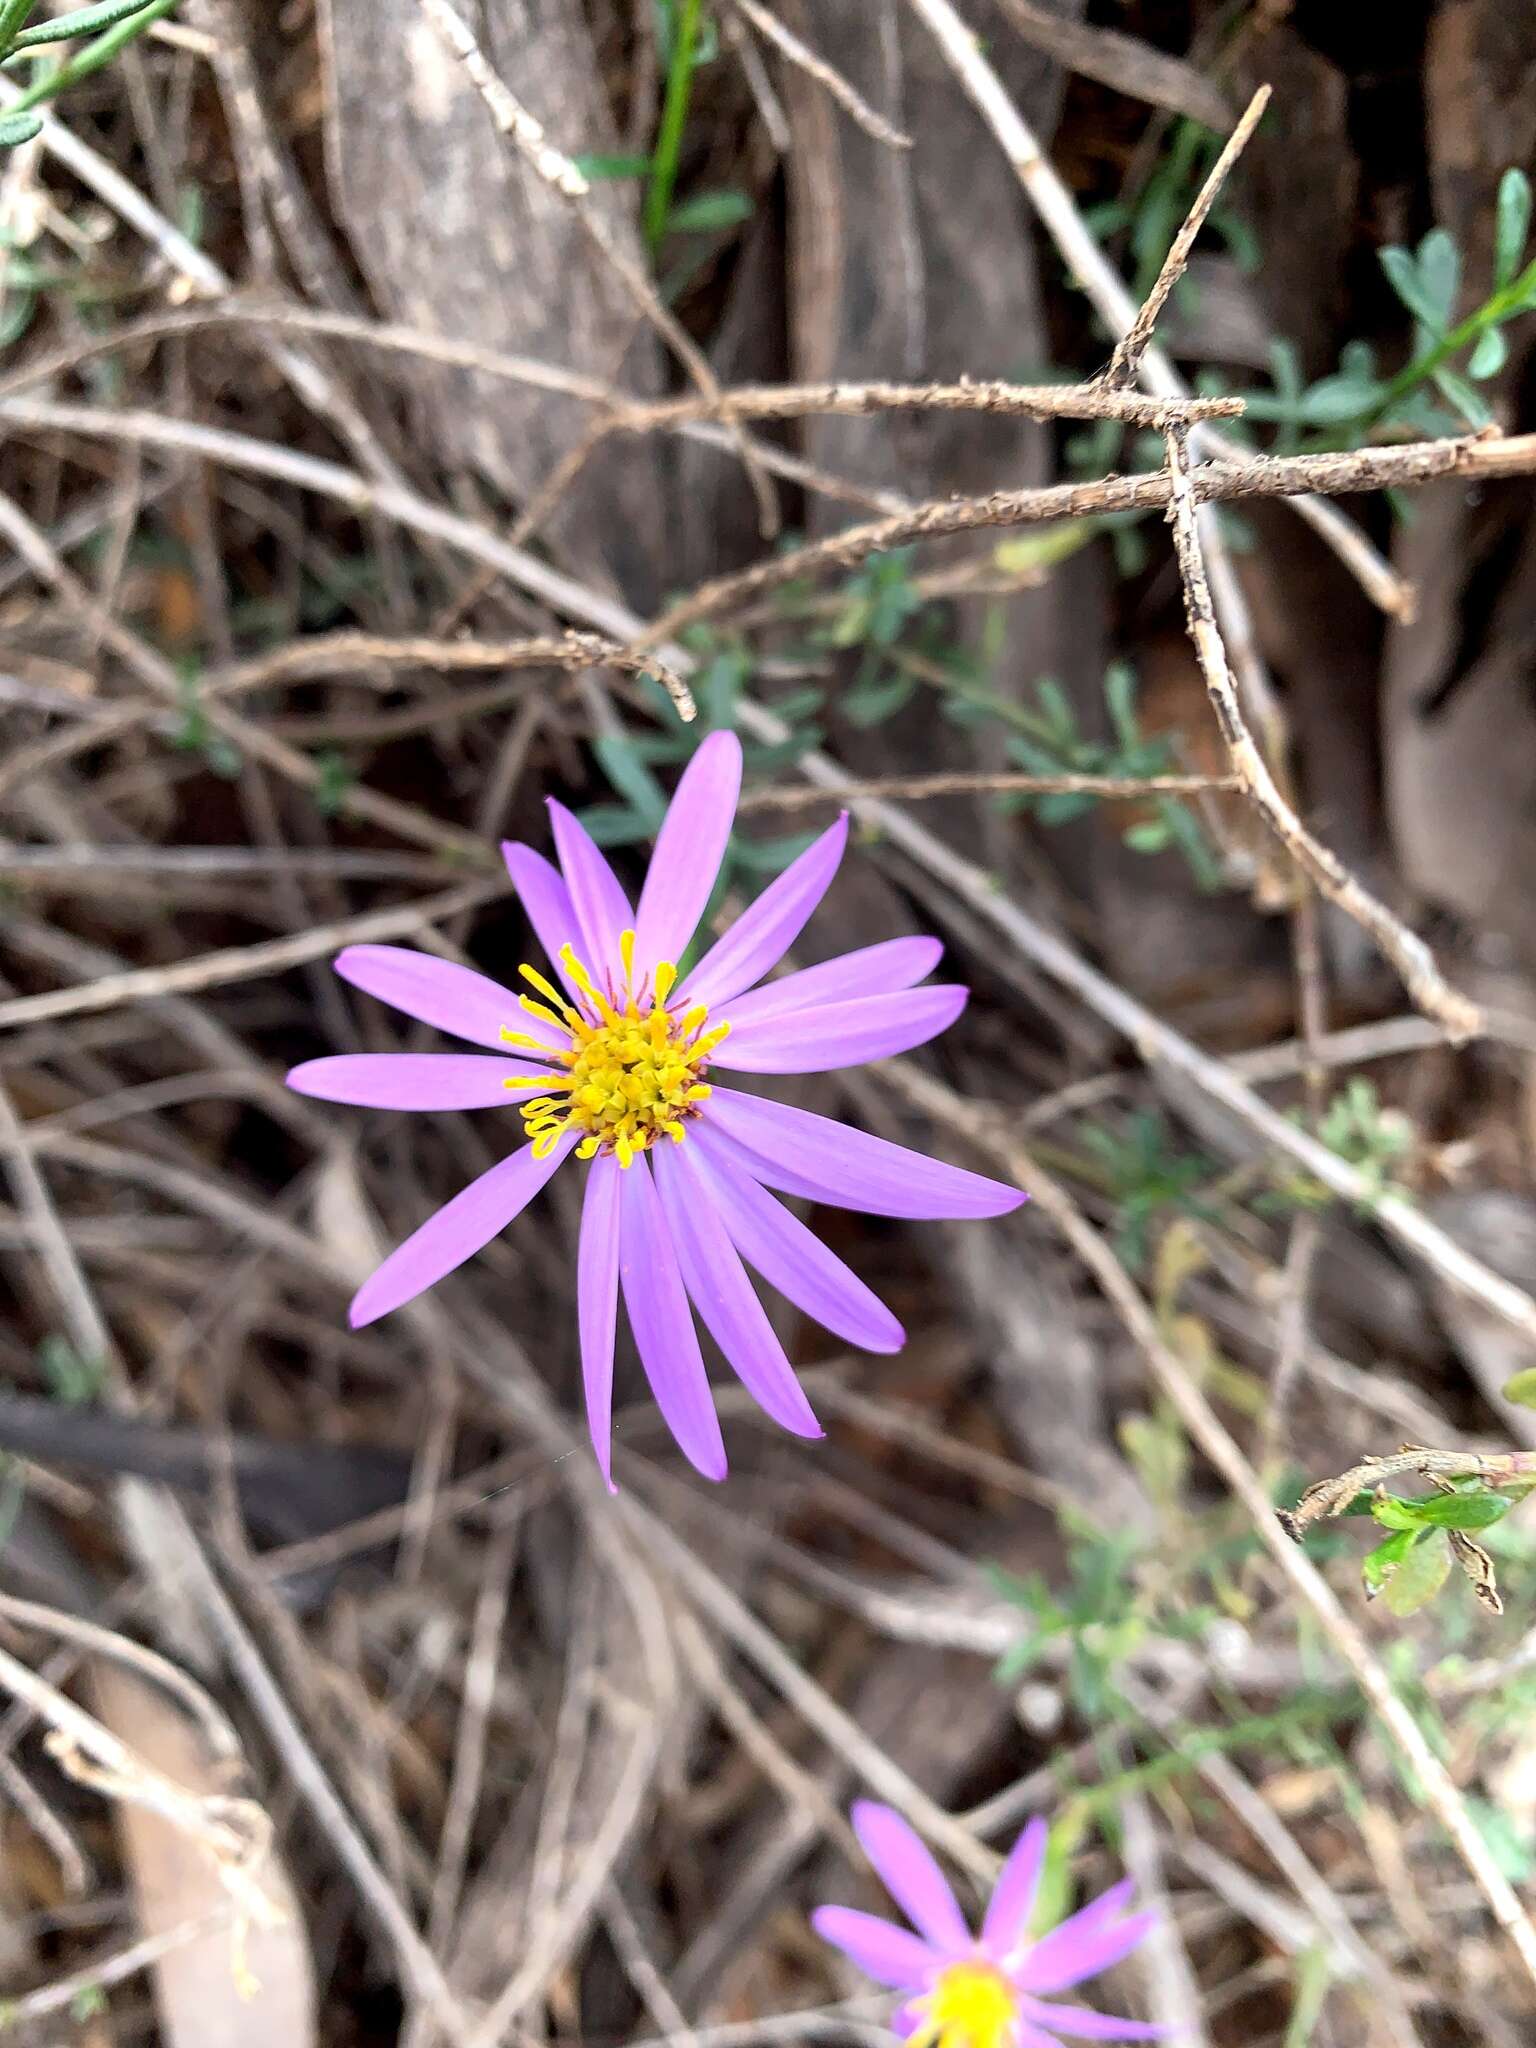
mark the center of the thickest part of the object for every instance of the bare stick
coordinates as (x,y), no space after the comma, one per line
(242,963)
(1123,62)
(1408,953)
(915,788)
(1125,364)
(833,83)
(1210,1433)
(1364,469)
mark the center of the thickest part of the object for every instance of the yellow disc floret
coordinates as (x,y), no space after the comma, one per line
(631,1072)
(971,2005)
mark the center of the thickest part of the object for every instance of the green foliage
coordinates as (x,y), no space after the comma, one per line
(1377,1142)
(1428,1537)
(196,733)
(1146,1177)
(1099,1616)
(112,24)
(1152,217)
(880,609)
(337,778)
(1051,742)
(1447,359)
(74,1381)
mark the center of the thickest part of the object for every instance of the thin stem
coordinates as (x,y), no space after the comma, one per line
(1489,314)
(674,117)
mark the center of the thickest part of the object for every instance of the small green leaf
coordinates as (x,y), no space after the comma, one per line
(707,212)
(1478,1510)
(1333,401)
(869,704)
(1490,355)
(595,168)
(1440,274)
(1420,1576)
(1511,225)
(1403,276)
(1151,836)
(1397,1514)
(1378,1565)
(16,128)
(84,23)
(1522,1388)
(630,777)
(1466,401)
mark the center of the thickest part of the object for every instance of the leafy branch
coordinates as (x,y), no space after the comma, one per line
(113,23)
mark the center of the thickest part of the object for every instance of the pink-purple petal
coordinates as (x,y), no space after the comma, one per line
(816,1041)
(1078,2024)
(601,907)
(1013,1896)
(547,902)
(663,1324)
(811,1155)
(766,930)
(438,992)
(597,1303)
(1091,1941)
(718,1286)
(460,1228)
(883,970)
(905,1866)
(889,1954)
(414,1080)
(689,849)
(791,1257)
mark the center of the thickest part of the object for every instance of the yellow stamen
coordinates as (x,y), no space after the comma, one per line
(511,1037)
(971,2005)
(632,1072)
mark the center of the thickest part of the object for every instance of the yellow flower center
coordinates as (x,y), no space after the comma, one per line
(970,2006)
(632,1070)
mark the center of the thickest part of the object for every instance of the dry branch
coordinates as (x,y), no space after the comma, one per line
(1408,953)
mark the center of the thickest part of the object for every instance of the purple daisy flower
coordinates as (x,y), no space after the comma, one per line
(619,1058)
(989,1990)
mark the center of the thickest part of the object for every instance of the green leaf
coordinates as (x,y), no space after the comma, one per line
(630,777)
(1466,401)
(16,128)
(1420,1576)
(1440,274)
(1403,276)
(1333,401)
(1478,1510)
(869,703)
(770,856)
(1378,1565)
(1522,1388)
(1490,355)
(1150,836)
(1511,225)
(84,23)
(707,212)
(13,15)
(596,168)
